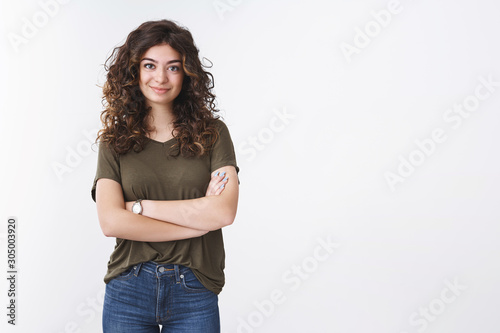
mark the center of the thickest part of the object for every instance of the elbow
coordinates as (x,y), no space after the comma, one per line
(111,222)
(228,218)
(107,233)
(106,229)
(107,226)
(221,221)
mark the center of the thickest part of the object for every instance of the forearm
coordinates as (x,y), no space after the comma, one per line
(215,210)
(121,223)
(206,213)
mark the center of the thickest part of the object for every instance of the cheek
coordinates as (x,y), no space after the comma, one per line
(142,87)
(141,80)
(180,81)
(143,77)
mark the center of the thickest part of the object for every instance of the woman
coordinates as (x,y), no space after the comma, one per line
(166,183)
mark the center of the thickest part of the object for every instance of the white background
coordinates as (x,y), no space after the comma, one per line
(318,176)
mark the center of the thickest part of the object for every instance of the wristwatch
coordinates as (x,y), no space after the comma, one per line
(137,207)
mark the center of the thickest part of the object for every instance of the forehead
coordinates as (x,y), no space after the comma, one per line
(161,53)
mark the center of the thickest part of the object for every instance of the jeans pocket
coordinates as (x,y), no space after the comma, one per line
(190,283)
(126,274)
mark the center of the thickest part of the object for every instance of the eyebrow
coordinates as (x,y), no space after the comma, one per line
(168,63)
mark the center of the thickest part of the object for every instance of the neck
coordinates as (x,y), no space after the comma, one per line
(161,117)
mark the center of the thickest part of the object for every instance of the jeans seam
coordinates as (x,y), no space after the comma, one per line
(126,277)
(192,290)
(137,269)
(158,285)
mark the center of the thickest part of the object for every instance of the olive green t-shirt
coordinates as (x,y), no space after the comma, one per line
(152,174)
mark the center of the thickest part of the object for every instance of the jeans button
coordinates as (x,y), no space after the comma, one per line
(162,269)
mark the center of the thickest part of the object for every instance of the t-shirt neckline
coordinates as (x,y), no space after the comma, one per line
(159,142)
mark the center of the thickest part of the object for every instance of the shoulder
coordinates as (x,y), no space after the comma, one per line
(222,137)
(106,149)
(220,126)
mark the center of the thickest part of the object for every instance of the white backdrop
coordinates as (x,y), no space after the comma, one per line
(366,133)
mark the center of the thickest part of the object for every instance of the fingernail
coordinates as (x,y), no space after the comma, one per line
(222,174)
(224,179)
(222,186)
(217,173)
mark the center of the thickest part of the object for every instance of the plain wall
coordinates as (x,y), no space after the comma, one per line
(366,133)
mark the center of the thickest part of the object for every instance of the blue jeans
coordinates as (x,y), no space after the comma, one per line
(149,294)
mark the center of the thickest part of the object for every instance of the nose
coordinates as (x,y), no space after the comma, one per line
(161,75)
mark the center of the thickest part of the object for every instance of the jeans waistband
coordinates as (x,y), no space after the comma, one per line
(160,270)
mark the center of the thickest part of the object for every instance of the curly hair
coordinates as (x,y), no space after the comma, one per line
(124,116)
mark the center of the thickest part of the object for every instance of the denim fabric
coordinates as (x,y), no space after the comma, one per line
(149,294)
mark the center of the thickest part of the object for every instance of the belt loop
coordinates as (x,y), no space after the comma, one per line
(137,269)
(177,276)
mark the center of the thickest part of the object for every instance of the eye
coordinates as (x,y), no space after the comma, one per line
(174,68)
(149,66)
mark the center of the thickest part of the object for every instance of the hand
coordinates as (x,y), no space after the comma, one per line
(217,183)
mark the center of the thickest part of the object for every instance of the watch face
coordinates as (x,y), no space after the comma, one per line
(136,208)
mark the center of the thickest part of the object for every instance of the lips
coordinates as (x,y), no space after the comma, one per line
(159,91)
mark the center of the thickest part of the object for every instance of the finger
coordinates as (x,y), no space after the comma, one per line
(217,185)
(220,186)
(220,189)
(214,184)
(218,176)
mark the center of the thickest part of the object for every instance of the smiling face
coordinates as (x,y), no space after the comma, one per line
(161,75)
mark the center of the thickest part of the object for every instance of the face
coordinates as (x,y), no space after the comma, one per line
(161,75)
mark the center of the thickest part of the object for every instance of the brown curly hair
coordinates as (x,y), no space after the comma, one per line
(125,109)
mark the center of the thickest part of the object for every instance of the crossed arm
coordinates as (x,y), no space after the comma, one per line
(172,219)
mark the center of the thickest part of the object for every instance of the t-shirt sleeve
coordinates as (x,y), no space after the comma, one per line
(108,166)
(222,153)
